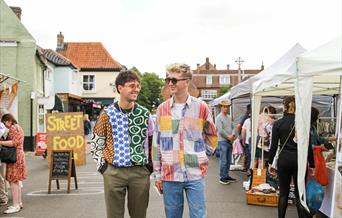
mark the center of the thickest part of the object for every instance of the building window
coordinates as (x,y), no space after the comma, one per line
(208,94)
(48,74)
(41,118)
(224,79)
(209,80)
(89,83)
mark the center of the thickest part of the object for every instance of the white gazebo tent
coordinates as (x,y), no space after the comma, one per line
(281,65)
(316,72)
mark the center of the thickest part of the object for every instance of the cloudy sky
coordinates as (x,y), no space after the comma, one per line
(150,34)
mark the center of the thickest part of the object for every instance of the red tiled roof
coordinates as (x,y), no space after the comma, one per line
(89,55)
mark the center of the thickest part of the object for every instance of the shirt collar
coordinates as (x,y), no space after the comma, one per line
(187,103)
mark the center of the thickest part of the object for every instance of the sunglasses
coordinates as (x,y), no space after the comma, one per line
(174,81)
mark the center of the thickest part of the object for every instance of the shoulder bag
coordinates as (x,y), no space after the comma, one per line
(8,154)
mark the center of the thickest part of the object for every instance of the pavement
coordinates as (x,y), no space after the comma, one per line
(223,201)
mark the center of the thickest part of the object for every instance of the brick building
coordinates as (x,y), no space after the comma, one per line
(208,80)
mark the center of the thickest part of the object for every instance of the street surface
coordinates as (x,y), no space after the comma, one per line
(88,201)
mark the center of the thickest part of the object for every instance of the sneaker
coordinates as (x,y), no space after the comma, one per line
(224,181)
(12,209)
(230,179)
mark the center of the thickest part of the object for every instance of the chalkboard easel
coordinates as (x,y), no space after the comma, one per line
(62,167)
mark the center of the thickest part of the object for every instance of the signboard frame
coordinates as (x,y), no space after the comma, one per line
(71,170)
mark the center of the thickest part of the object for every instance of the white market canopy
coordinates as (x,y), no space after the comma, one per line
(316,72)
(281,66)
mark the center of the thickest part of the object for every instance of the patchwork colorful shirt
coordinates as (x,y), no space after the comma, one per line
(180,146)
(122,138)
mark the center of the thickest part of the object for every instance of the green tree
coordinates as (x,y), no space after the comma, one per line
(224,90)
(150,93)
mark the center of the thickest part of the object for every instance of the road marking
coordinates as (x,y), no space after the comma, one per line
(88,191)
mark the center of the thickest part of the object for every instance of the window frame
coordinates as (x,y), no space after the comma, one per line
(94,83)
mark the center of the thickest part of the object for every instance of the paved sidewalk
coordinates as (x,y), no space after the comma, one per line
(223,201)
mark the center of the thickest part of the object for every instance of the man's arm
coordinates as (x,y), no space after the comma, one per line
(148,143)
(219,127)
(156,155)
(98,142)
(209,132)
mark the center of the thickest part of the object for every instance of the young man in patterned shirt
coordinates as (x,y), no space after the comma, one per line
(184,135)
(121,145)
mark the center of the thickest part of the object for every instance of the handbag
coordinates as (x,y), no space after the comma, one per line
(321,174)
(237,147)
(8,154)
(279,150)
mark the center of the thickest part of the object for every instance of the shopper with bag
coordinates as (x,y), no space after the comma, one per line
(15,172)
(283,136)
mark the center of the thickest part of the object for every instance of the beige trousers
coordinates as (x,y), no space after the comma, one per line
(3,184)
(133,180)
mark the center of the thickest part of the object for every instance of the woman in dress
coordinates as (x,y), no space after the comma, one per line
(15,172)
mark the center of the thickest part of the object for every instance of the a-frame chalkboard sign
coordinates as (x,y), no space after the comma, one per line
(62,167)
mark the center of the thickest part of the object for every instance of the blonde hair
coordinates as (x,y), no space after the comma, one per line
(181,68)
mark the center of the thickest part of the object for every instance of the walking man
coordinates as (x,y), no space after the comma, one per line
(121,143)
(184,135)
(226,136)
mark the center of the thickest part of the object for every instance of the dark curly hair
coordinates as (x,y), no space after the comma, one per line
(124,77)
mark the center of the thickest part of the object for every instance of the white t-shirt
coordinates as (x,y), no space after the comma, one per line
(247,126)
(177,110)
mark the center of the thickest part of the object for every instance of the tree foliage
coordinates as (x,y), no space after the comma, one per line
(150,93)
(224,90)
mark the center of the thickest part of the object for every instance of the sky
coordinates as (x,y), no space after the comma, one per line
(150,34)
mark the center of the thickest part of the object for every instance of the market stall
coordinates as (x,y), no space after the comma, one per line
(313,73)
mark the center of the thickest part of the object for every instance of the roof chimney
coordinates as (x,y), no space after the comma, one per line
(262,66)
(17,11)
(214,66)
(60,41)
(207,63)
(227,66)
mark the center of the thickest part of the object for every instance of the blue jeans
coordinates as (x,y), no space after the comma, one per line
(174,198)
(225,158)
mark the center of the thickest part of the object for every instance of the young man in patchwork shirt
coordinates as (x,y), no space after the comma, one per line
(184,135)
(121,146)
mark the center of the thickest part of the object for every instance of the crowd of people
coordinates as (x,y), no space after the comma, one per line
(128,144)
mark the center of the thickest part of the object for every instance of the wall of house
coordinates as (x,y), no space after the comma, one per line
(66,81)
(20,62)
(103,87)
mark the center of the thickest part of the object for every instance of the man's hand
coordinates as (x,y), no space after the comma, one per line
(159,185)
(231,138)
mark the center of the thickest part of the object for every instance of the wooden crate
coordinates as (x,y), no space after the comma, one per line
(262,199)
(258,198)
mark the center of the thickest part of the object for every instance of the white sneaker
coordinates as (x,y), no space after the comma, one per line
(12,209)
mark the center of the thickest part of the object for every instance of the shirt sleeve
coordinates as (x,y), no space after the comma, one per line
(148,141)
(209,132)
(98,142)
(156,154)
